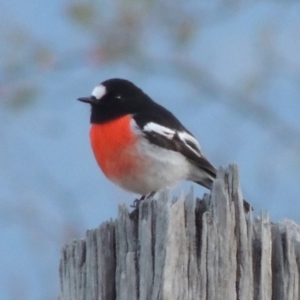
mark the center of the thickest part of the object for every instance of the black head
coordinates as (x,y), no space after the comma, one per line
(114,98)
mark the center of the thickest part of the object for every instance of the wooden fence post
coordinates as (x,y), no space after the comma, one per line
(177,249)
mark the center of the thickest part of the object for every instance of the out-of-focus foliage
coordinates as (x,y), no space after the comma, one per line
(238,59)
(82,13)
(24,58)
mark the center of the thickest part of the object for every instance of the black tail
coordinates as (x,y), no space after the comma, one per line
(208,184)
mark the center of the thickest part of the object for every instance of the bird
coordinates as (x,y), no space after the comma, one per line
(141,146)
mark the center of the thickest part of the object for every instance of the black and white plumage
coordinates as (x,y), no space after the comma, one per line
(161,128)
(164,151)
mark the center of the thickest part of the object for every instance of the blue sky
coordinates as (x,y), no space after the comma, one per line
(51,189)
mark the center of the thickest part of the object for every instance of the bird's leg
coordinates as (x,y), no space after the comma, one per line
(136,202)
(151,195)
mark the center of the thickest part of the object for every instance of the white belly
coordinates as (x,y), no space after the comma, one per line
(161,168)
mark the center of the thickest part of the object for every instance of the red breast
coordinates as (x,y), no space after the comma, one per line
(113,146)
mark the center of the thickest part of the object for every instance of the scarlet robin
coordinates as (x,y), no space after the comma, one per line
(139,145)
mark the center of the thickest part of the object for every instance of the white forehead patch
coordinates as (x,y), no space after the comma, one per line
(99,91)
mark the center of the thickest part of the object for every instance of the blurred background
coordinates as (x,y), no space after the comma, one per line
(230,70)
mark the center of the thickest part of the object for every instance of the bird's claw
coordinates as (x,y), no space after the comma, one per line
(135,203)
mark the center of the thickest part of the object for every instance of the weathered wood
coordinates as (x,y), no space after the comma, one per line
(183,248)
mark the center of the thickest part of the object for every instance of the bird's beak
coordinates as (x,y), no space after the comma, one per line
(90,100)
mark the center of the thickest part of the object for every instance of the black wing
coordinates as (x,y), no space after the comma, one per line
(163,129)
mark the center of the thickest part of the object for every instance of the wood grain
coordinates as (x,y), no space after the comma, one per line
(186,248)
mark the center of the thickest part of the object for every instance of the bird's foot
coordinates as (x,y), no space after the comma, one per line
(136,202)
